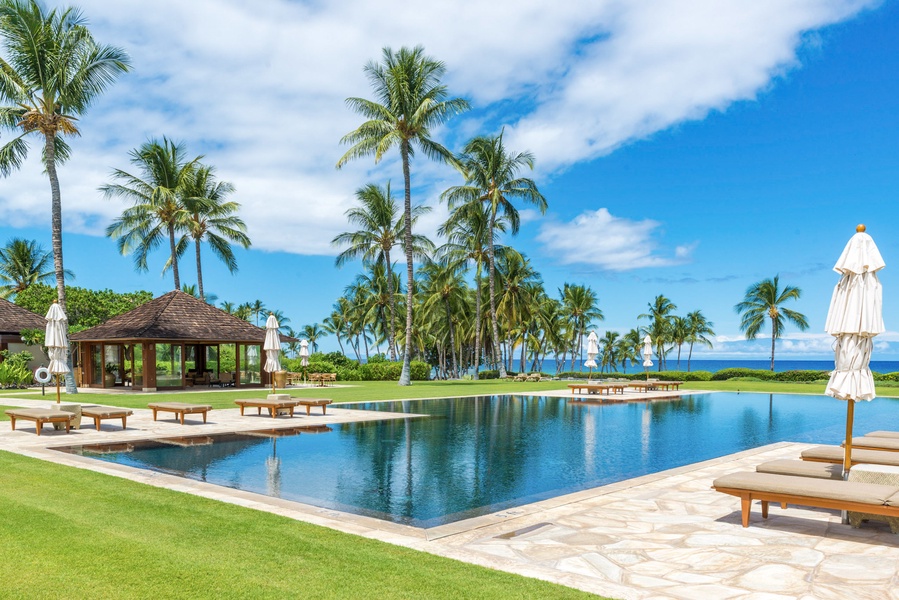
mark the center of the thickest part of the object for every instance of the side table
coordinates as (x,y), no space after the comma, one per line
(882,474)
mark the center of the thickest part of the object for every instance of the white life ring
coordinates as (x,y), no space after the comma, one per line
(42,375)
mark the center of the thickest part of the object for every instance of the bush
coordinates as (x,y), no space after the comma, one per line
(802,376)
(14,371)
(886,376)
(488,374)
(725,374)
(339,360)
(346,374)
(419,371)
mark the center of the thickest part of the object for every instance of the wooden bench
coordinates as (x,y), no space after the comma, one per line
(870,498)
(274,406)
(180,409)
(40,416)
(310,402)
(98,413)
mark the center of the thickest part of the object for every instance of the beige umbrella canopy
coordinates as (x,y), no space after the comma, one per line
(57,342)
(272,347)
(854,318)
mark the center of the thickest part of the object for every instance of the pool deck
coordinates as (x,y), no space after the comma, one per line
(665,535)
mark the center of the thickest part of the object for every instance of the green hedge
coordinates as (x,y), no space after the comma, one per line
(640,376)
(350,370)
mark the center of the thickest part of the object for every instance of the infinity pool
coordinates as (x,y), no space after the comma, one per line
(474,456)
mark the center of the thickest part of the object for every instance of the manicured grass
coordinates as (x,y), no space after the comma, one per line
(885,389)
(3,410)
(72,533)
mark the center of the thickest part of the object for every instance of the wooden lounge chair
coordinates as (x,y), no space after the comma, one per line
(310,402)
(40,416)
(835,454)
(99,413)
(521,377)
(870,442)
(180,409)
(870,498)
(275,407)
(802,468)
(535,377)
(884,434)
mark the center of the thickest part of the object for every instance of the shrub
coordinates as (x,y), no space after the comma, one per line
(886,376)
(419,371)
(725,374)
(339,360)
(488,374)
(347,374)
(802,376)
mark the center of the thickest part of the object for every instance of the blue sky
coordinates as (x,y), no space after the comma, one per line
(685,148)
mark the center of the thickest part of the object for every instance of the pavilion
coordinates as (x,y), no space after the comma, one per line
(172,342)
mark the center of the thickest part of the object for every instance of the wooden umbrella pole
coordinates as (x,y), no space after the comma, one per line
(847,457)
(57,388)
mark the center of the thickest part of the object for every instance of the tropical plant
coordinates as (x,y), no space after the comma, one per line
(213,219)
(410,102)
(381,228)
(580,306)
(157,208)
(443,285)
(679,333)
(312,333)
(256,308)
(698,331)
(659,329)
(763,301)
(24,263)
(491,179)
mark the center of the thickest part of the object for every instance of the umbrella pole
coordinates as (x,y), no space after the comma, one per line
(847,457)
(57,388)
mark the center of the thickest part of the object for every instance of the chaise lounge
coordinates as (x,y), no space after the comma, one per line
(835,454)
(180,409)
(275,407)
(40,416)
(869,498)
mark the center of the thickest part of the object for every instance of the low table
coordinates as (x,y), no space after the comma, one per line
(180,409)
(310,402)
(882,474)
(40,416)
(98,413)
(274,406)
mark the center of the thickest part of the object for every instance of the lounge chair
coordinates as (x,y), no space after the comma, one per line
(521,377)
(870,442)
(870,498)
(835,454)
(533,377)
(884,434)
(275,407)
(40,416)
(180,409)
(802,468)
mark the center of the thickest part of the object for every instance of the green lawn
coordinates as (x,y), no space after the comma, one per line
(3,410)
(72,533)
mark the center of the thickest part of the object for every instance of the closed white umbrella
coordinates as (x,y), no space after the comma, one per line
(592,352)
(304,357)
(57,341)
(272,347)
(647,354)
(854,318)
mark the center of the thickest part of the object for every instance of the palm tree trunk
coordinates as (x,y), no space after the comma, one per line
(689,357)
(56,224)
(524,344)
(200,273)
(392,329)
(477,323)
(337,335)
(406,374)
(365,341)
(175,261)
(773,340)
(492,272)
(452,334)
(679,346)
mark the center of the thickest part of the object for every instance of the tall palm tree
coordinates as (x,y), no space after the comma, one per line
(213,219)
(411,101)
(312,333)
(381,228)
(229,307)
(581,306)
(257,307)
(679,334)
(698,331)
(443,285)
(659,329)
(24,263)
(522,285)
(763,301)
(609,346)
(51,71)
(491,179)
(157,208)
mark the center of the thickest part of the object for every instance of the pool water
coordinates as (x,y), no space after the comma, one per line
(474,456)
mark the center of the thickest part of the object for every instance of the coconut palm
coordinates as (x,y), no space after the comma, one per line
(411,102)
(522,286)
(312,333)
(659,329)
(443,285)
(763,301)
(157,208)
(51,71)
(579,304)
(381,228)
(257,307)
(699,329)
(679,333)
(213,219)
(228,307)
(24,263)
(491,179)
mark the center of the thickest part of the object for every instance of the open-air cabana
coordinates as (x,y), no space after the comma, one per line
(172,342)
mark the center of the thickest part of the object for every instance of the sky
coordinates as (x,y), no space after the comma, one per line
(685,147)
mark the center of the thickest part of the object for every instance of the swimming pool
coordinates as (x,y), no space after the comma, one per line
(474,456)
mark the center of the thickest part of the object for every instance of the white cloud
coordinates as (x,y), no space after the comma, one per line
(613,243)
(259,88)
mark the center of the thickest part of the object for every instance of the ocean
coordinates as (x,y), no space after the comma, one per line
(881,366)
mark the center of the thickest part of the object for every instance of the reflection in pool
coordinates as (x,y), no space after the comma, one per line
(473,456)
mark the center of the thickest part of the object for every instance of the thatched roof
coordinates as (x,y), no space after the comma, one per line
(13,318)
(176,317)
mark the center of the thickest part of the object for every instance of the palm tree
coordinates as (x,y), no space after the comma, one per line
(411,101)
(579,303)
(609,346)
(659,316)
(629,348)
(229,307)
(522,285)
(51,73)
(491,179)
(763,300)
(679,334)
(380,230)
(698,330)
(312,333)
(443,285)
(157,196)
(257,307)
(22,264)
(213,219)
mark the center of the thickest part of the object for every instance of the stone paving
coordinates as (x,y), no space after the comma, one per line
(666,535)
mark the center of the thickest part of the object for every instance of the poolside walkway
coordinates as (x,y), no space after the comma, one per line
(666,535)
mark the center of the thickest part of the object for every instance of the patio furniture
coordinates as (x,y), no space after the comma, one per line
(521,377)
(180,409)
(99,413)
(275,407)
(310,402)
(870,498)
(881,474)
(870,442)
(226,379)
(596,388)
(535,377)
(40,416)
(835,454)
(802,468)
(883,434)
